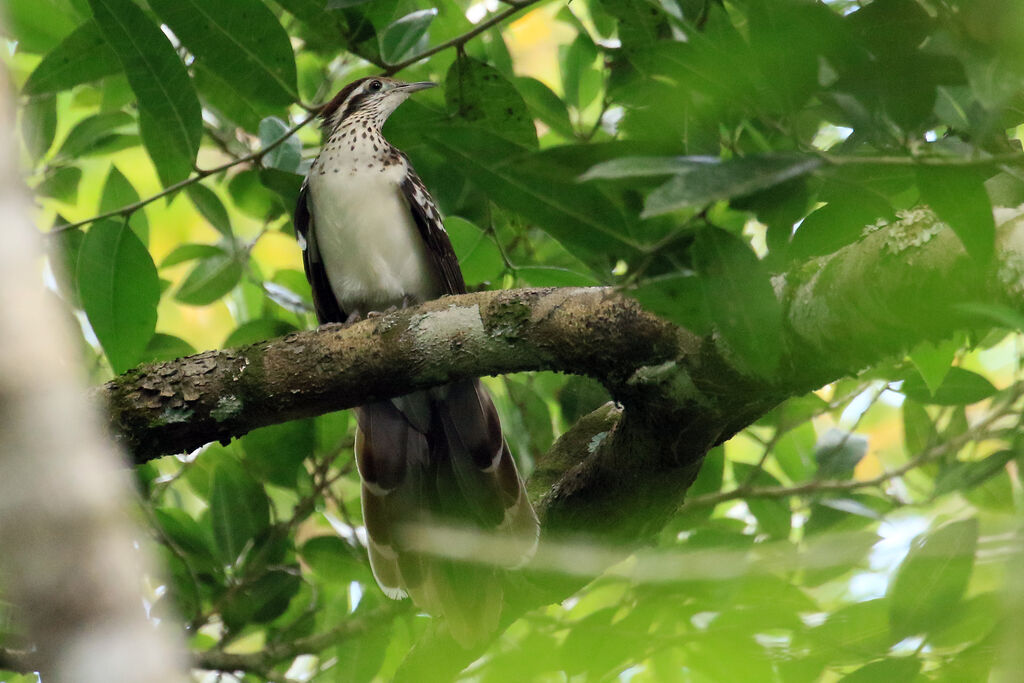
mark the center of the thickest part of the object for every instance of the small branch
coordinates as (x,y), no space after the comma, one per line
(933,160)
(183,404)
(262,661)
(129,209)
(461,40)
(745,492)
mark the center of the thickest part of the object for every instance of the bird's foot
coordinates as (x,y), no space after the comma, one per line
(381,314)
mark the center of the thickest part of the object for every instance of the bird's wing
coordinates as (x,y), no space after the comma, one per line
(428,220)
(324,302)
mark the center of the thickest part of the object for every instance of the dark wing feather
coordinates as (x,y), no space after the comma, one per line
(326,306)
(428,220)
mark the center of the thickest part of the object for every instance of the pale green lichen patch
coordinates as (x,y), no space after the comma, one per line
(174,415)
(1011,252)
(671,379)
(914,228)
(507,319)
(595,442)
(227,407)
(441,327)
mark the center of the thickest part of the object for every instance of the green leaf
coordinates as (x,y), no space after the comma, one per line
(262,600)
(39,125)
(239,509)
(580,80)
(959,198)
(286,156)
(840,222)
(117,193)
(933,361)
(185,533)
(678,297)
(990,313)
(960,387)
(795,452)
(250,195)
(240,40)
(119,290)
(163,347)
(479,256)
(39,25)
(402,35)
(359,659)
(545,105)
(553,276)
(641,167)
(837,453)
(740,299)
(63,249)
(855,633)
(82,57)
(890,670)
(276,453)
(774,517)
(170,118)
(709,181)
(333,560)
(583,219)
(974,619)
(932,578)
(918,429)
(963,476)
(190,252)
(61,183)
(285,185)
(211,208)
(477,93)
(223,97)
(92,132)
(212,278)
(257,330)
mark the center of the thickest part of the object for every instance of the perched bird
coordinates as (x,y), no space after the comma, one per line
(372,238)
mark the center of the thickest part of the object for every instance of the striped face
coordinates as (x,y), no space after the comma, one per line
(369,100)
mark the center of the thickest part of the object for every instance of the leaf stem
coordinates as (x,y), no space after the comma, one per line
(129,209)
(459,41)
(1006,158)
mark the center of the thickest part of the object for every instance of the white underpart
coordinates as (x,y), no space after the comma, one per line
(372,250)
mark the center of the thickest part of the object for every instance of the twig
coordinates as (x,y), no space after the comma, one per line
(960,162)
(834,485)
(459,41)
(263,660)
(129,209)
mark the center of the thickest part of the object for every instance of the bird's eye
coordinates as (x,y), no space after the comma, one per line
(376,85)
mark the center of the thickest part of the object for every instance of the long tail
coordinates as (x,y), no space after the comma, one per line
(437,459)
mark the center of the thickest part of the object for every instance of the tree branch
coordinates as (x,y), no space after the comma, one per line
(185,403)
(458,41)
(129,209)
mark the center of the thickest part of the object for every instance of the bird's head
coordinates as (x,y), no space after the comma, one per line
(370,100)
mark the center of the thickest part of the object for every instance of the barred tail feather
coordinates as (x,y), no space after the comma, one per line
(438,458)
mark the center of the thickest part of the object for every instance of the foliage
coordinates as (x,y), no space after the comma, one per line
(684,151)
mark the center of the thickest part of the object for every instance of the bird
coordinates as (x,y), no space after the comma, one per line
(372,239)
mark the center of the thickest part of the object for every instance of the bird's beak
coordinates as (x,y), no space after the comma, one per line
(415,87)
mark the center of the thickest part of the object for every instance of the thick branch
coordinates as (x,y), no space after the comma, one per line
(185,403)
